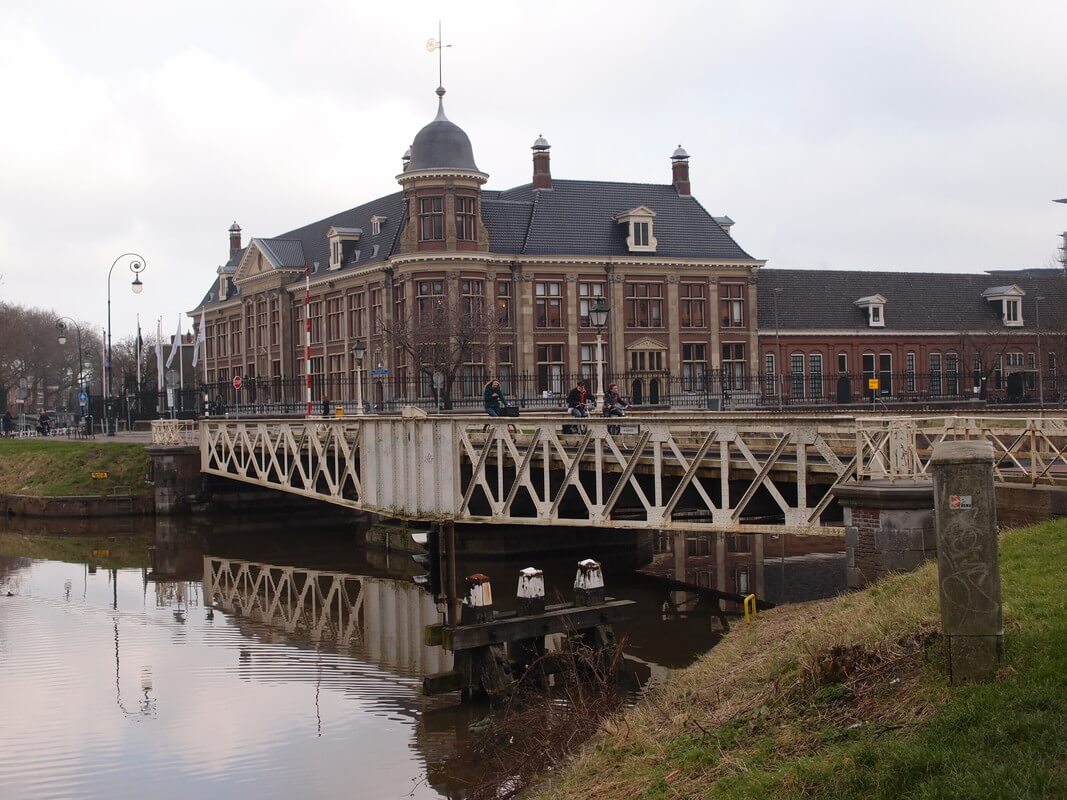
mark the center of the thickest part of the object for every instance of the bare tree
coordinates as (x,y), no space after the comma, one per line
(442,336)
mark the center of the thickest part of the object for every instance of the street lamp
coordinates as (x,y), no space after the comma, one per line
(358,351)
(1040,379)
(137,266)
(598,315)
(62,328)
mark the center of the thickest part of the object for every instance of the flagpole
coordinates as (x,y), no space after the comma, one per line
(181,365)
(161,391)
(138,351)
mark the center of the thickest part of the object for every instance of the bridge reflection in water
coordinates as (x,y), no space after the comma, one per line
(385,617)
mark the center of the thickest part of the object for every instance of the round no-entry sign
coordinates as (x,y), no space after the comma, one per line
(236,381)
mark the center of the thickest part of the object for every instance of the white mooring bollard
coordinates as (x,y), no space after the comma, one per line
(530,596)
(588,584)
(479,600)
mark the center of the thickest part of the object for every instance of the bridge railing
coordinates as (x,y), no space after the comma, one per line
(169,432)
(1031,449)
(730,471)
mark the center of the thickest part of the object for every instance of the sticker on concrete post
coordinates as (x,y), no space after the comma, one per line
(960,502)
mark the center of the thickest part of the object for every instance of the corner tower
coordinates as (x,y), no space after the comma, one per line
(442,188)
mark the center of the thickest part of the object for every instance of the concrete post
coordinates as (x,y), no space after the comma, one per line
(530,596)
(478,604)
(968,564)
(588,584)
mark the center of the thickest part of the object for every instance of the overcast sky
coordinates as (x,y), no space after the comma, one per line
(866,135)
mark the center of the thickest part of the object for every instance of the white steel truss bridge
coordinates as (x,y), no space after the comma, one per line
(712,472)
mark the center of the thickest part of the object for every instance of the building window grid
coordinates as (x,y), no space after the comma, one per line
(909,372)
(952,374)
(768,373)
(275,322)
(815,386)
(733,365)
(334,319)
(694,366)
(587,290)
(796,375)
(644,305)
(692,305)
(357,315)
(503,303)
(431,219)
(548,304)
(235,336)
(376,319)
(550,366)
(473,292)
(732,302)
(936,387)
(466,216)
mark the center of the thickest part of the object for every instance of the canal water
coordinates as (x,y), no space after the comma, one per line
(281,657)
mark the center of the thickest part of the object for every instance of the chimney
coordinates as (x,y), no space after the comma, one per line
(680,171)
(542,175)
(235,238)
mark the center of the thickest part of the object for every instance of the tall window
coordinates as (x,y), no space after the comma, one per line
(505,367)
(376,320)
(644,305)
(548,304)
(909,372)
(646,360)
(431,219)
(768,373)
(250,329)
(357,315)
(842,363)
(428,297)
(587,364)
(692,305)
(220,338)
(1031,370)
(334,319)
(694,366)
(400,302)
(275,321)
(935,375)
(503,303)
(732,303)
(952,373)
(473,373)
(466,229)
(261,322)
(586,292)
(796,375)
(977,369)
(885,373)
(336,388)
(317,379)
(1051,371)
(235,335)
(473,296)
(640,234)
(315,310)
(733,365)
(815,391)
(550,368)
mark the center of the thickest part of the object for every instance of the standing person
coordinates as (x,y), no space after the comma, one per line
(494,398)
(325,406)
(614,406)
(8,423)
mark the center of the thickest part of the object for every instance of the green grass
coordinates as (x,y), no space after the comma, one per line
(56,468)
(893,727)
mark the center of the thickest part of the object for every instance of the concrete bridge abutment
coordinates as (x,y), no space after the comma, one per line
(889,527)
(177,477)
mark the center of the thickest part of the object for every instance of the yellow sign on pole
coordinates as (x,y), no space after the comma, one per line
(98,476)
(872,384)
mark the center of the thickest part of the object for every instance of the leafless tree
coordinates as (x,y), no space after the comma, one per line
(443,335)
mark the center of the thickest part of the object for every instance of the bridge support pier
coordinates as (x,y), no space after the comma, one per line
(889,527)
(177,477)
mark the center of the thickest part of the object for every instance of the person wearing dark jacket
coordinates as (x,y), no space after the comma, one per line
(8,423)
(576,400)
(614,404)
(494,398)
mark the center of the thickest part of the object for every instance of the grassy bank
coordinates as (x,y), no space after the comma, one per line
(849,698)
(54,468)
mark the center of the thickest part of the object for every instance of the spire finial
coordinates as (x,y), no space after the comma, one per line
(438,45)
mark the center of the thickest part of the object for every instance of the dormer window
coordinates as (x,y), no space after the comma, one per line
(342,244)
(640,235)
(1009,302)
(874,307)
(376,223)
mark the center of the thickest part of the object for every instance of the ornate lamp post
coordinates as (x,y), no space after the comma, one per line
(1040,377)
(62,328)
(137,266)
(598,315)
(358,351)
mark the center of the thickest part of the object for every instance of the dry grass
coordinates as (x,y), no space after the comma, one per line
(806,662)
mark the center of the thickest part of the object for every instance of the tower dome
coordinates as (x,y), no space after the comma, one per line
(442,144)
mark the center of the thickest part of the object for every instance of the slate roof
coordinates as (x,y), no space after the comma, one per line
(578,218)
(573,218)
(915,301)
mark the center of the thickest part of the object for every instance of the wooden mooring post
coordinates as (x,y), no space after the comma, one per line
(491,647)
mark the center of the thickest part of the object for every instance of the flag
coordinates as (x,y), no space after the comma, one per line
(176,343)
(201,338)
(159,354)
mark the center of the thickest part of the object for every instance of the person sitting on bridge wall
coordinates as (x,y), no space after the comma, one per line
(494,398)
(576,404)
(614,404)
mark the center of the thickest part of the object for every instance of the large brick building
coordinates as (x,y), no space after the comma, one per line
(997,336)
(682,292)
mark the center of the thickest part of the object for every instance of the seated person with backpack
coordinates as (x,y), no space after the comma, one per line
(614,405)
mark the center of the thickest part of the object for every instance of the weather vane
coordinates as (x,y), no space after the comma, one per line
(438,45)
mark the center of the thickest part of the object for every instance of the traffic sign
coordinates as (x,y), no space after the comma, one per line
(236,381)
(379,373)
(83,398)
(872,384)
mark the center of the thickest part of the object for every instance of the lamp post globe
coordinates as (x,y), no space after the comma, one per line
(137,266)
(359,349)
